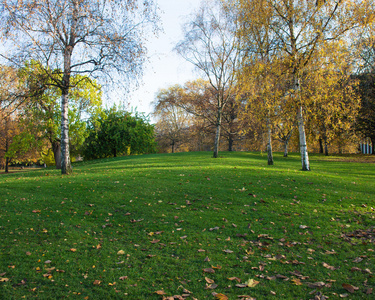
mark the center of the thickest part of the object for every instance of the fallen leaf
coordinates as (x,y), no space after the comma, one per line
(160,292)
(228,251)
(201,250)
(251,283)
(357,260)
(28,253)
(350,288)
(328,266)
(209,270)
(208,280)
(216,267)
(73,249)
(315,285)
(4,279)
(121,252)
(369,291)
(235,278)
(221,297)
(123,278)
(154,241)
(36,211)
(344,295)
(296,281)
(97,282)
(211,286)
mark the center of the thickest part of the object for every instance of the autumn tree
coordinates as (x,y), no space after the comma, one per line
(365,54)
(330,89)
(301,28)
(211,45)
(173,122)
(77,37)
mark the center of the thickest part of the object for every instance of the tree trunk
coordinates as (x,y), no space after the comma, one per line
(302,141)
(325,147)
(173,145)
(6,146)
(321,149)
(66,167)
(217,137)
(56,148)
(230,143)
(269,142)
(286,142)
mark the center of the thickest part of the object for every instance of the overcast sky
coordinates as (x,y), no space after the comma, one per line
(165,67)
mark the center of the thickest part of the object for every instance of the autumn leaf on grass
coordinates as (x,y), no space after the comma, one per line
(220,296)
(235,278)
(36,211)
(208,280)
(297,281)
(123,278)
(121,252)
(209,270)
(72,249)
(328,266)
(315,285)
(228,251)
(97,282)
(4,279)
(211,286)
(154,241)
(160,292)
(350,288)
(249,283)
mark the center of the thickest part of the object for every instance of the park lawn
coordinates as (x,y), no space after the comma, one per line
(188,225)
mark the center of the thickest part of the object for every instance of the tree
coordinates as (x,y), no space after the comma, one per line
(301,28)
(42,109)
(210,44)
(332,99)
(173,121)
(77,37)
(116,133)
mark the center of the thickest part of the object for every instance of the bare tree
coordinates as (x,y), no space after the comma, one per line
(210,44)
(77,36)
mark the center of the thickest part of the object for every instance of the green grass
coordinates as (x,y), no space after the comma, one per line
(175,215)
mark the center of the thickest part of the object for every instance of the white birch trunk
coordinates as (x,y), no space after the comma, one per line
(302,141)
(66,167)
(217,136)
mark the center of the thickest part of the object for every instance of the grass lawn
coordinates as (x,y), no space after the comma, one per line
(190,226)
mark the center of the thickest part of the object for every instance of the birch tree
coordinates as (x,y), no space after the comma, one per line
(77,36)
(301,27)
(210,44)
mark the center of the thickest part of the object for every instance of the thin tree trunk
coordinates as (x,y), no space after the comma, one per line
(269,142)
(6,146)
(217,137)
(325,147)
(286,143)
(302,141)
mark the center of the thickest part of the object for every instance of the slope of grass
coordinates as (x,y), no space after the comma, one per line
(148,227)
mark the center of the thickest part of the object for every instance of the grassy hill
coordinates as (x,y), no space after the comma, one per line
(188,225)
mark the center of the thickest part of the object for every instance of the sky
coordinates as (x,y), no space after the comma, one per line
(165,67)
